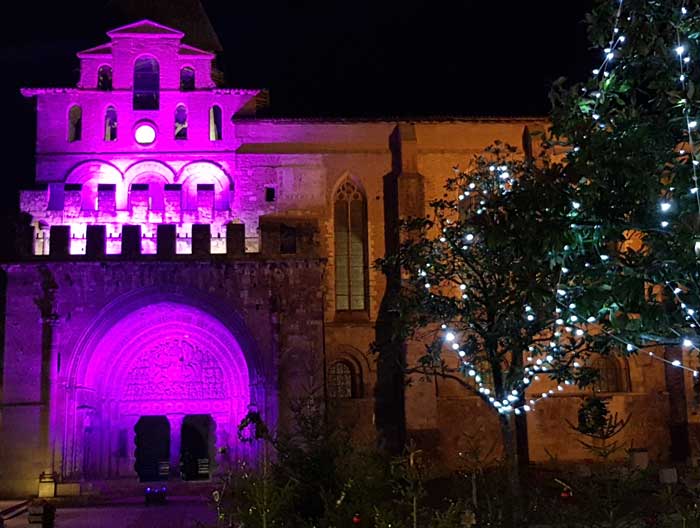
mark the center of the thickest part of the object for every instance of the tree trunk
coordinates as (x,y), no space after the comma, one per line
(513,512)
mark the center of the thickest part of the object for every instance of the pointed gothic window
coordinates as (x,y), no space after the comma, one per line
(613,374)
(215,123)
(146,84)
(181,122)
(187,79)
(75,123)
(350,218)
(111,124)
(104,78)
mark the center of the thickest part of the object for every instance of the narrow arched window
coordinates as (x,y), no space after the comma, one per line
(146,84)
(342,383)
(181,122)
(75,123)
(613,375)
(187,79)
(350,218)
(215,123)
(110,124)
(104,78)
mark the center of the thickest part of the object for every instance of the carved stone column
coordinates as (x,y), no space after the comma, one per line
(175,441)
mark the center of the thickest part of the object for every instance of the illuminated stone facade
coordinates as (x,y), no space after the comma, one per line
(192,259)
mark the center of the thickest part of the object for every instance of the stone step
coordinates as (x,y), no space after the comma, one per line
(13,511)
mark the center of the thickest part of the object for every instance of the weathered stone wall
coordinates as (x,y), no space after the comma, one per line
(286,304)
(280,323)
(466,422)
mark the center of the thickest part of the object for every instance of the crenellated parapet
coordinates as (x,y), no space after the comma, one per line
(63,228)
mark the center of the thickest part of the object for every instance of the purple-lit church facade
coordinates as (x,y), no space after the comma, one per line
(159,326)
(192,261)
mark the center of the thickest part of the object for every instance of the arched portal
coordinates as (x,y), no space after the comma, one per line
(164,358)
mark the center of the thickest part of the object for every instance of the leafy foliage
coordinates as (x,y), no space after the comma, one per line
(482,272)
(632,151)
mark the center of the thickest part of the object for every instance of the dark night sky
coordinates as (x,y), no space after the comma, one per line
(324,58)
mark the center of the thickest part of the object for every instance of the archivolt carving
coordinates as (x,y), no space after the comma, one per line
(174,370)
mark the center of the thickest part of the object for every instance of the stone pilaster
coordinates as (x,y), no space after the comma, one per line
(175,443)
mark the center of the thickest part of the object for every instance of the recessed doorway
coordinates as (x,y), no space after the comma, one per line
(152,448)
(196,446)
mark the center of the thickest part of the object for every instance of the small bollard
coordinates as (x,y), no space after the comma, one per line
(668,476)
(639,458)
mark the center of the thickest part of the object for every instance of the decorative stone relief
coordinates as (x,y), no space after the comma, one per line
(174,370)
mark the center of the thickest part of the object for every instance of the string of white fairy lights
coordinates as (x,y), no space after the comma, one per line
(575,324)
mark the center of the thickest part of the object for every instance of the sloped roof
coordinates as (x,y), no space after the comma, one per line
(98,51)
(192,51)
(145,28)
(141,29)
(187,16)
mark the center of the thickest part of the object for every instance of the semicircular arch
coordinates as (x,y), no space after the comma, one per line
(149,167)
(129,303)
(90,174)
(204,172)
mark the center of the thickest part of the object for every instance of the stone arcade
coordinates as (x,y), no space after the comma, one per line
(191,260)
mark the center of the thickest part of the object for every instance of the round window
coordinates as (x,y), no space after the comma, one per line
(145,134)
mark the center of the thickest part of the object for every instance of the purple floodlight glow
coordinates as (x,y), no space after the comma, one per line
(166,359)
(132,117)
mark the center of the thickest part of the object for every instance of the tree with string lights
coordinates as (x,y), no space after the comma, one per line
(527,267)
(631,134)
(480,281)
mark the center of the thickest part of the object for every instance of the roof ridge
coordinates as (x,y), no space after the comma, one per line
(145,23)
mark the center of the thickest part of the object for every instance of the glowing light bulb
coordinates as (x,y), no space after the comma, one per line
(145,134)
(680,50)
(665,206)
(687,343)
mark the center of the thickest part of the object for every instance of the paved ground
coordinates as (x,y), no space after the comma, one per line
(180,512)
